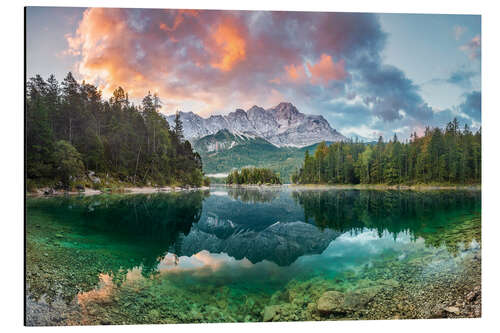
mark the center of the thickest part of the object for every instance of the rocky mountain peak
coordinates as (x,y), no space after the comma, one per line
(282,125)
(285,109)
(255,109)
(240,113)
(190,115)
(285,106)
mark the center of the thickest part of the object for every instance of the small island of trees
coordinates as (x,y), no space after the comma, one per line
(253,176)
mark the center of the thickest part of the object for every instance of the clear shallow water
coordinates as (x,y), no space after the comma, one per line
(228,254)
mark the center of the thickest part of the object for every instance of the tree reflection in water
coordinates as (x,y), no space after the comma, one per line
(421,214)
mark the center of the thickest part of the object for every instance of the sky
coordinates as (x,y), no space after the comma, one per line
(367,74)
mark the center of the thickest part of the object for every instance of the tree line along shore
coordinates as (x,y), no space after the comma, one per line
(440,157)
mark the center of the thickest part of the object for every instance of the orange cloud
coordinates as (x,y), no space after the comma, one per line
(110,49)
(296,73)
(326,70)
(230,46)
(179,18)
(95,37)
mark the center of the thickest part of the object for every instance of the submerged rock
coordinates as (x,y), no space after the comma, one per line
(390,283)
(473,294)
(452,309)
(357,299)
(271,313)
(331,301)
(311,307)
(348,302)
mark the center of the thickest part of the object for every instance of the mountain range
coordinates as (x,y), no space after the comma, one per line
(282,125)
(275,138)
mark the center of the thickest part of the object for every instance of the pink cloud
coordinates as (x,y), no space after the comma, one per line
(326,70)
(473,47)
(296,73)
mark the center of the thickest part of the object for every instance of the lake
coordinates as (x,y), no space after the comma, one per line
(250,254)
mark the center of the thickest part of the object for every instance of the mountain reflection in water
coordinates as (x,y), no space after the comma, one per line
(271,224)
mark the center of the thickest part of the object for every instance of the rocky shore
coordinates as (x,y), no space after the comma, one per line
(48,191)
(399,291)
(418,187)
(449,295)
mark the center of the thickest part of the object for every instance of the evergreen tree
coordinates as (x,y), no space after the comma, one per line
(178,130)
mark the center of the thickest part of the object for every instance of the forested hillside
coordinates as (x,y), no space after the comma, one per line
(255,152)
(71,129)
(451,155)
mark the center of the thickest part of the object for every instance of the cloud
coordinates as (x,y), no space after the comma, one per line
(458,31)
(296,73)
(179,18)
(473,47)
(326,70)
(467,112)
(472,105)
(389,91)
(212,61)
(462,77)
(230,46)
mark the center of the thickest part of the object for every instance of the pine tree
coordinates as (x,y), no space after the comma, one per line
(178,130)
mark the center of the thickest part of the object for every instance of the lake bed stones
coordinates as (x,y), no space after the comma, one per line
(452,309)
(331,302)
(336,302)
(271,313)
(356,299)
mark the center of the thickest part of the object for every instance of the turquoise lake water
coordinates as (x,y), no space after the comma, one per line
(233,254)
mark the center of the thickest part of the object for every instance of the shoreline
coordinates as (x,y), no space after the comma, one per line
(126,190)
(419,187)
(173,189)
(250,185)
